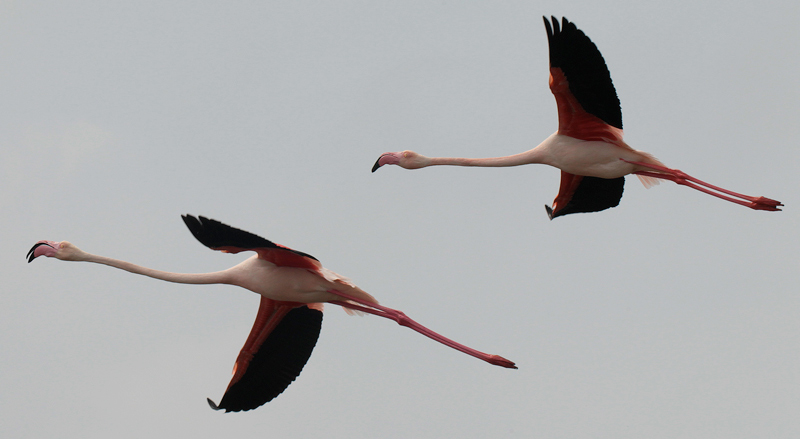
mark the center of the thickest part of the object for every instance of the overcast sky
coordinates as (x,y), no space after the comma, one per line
(674,315)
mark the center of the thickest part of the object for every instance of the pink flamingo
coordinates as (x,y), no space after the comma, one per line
(293,286)
(588,146)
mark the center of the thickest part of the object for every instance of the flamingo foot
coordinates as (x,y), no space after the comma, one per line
(764,203)
(500,361)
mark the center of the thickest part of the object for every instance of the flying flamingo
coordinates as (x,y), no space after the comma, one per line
(293,286)
(588,146)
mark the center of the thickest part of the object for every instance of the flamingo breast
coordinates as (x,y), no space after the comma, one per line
(588,158)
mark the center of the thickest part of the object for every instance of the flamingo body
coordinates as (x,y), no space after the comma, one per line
(293,287)
(588,146)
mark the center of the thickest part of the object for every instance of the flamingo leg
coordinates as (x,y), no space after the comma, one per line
(680,177)
(404,320)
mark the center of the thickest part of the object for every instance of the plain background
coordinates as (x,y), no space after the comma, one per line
(674,315)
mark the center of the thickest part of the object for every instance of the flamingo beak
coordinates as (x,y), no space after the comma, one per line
(377,164)
(33,254)
(390,158)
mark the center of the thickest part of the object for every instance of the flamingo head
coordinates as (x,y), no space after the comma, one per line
(60,250)
(404,159)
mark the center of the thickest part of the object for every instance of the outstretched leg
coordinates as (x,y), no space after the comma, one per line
(403,320)
(680,177)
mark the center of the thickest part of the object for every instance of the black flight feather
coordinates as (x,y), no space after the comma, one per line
(276,363)
(214,234)
(592,195)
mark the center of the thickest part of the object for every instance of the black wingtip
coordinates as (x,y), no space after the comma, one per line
(194,225)
(376,165)
(547,27)
(190,220)
(212,405)
(554,28)
(549,212)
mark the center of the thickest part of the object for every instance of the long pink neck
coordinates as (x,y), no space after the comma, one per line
(523,158)
(181,278)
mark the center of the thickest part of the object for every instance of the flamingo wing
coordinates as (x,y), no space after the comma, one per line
(218,236)
(279,345)
(581,83)
(588,109)
(580,194)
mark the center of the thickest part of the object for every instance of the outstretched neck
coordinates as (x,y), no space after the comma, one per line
(181,278)
(524,158)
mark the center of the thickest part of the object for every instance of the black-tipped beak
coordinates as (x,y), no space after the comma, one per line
(377,164)
(30,255)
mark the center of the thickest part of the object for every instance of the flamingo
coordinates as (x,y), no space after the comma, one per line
(588,146)
(293,286)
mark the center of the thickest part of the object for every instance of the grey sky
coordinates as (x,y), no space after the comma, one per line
(673,315)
